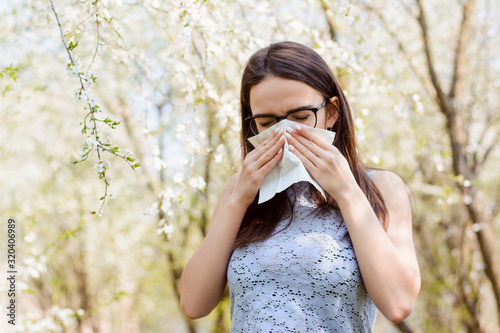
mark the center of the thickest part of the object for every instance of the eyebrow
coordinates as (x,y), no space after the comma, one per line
(288,112)
(301,108)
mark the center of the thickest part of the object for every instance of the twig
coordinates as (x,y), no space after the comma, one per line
(92,110)
(403,50)
(79,24)
(98,38)
(441,98)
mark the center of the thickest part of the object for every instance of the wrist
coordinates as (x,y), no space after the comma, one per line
(349,195)
(237,203)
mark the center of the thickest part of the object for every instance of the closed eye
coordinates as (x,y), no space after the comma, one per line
(301,115)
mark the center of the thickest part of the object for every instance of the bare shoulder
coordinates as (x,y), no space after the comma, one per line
(393,190)
(387,177)
(389,184)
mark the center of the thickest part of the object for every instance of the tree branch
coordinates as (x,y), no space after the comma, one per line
(479,162)
(441,98)
(460,53)
(423,82)
(329,20)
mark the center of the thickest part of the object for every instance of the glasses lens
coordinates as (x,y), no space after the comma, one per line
(306,117)
(260,124)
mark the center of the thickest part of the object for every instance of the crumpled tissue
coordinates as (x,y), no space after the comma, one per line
(289,170)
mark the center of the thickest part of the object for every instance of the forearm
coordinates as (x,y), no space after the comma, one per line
(204,277)
(390,280)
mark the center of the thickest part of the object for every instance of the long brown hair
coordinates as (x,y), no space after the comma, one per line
(295,61)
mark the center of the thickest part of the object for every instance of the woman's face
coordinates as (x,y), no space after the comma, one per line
(278,96)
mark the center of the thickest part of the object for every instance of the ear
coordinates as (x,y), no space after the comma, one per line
(333,111)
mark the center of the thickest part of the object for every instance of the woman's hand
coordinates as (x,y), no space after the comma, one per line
(256,166)
(323,161)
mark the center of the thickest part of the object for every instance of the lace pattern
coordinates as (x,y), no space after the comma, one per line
(304,278)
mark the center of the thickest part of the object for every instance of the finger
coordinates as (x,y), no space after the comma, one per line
(306,148)
(271,163)
(302,132)
(270,141)
(265,146)
(310,166)
(271,151)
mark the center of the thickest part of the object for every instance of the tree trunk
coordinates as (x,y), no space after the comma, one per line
(448,105)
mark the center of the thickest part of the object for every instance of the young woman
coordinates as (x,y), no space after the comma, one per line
(298,263)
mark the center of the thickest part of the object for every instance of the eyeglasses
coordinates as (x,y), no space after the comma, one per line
(306,116)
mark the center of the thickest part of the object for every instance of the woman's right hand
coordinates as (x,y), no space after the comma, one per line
(255,167)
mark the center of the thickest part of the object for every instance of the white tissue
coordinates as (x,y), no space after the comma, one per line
(289,170)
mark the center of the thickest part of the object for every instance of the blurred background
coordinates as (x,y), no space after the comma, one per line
(116,143)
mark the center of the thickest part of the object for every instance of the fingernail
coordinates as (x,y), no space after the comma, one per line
(290,147)
(279,151)
(278,129)
(288,135)
(289,129)
(282,138)
(298,127)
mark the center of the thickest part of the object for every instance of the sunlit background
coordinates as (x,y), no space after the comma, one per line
(148,109)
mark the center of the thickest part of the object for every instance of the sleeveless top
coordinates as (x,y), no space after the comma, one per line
(304,278)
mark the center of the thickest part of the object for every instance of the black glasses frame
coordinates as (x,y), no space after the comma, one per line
(280,118)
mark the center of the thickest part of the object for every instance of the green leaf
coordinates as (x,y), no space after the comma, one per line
(101,198)
(114,149)
(130,159)
(92,212)
(72,45)
(13,75)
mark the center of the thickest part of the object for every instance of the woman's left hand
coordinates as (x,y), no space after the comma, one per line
(323,161)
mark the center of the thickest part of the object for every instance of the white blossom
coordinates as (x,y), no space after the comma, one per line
(158,163)
(99,167)
(375,159)
(167,229)
(197,183)
(359,123)
(30,237)
(178,178)
(91,143)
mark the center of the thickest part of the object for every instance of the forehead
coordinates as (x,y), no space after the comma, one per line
(275,95)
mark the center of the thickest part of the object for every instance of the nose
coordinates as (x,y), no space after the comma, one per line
(280,118)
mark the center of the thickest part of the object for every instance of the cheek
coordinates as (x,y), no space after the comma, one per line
(322,121)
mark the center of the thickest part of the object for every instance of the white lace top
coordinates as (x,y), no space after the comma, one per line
(302,279)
